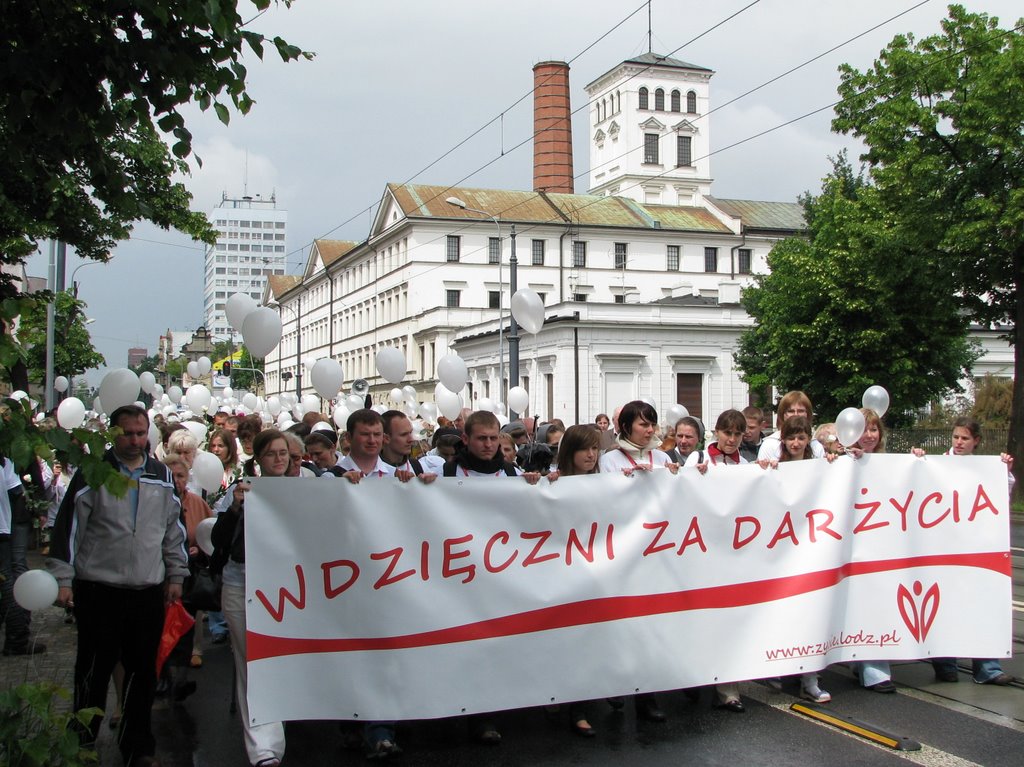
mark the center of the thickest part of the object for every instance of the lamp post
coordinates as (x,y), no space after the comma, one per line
(458,203)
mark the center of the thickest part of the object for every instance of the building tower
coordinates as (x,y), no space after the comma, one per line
(650,134)
(251,245)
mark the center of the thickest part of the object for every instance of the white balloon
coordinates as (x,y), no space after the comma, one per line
(397,395)
(208,470)
(237,308)
(61,384)
(35,589)
(327,377)
(354,402)
(290,398)
(261,331)
(849,426)
(391,364)
(158,389)
(198,398)
(410,409)
(205,366)
(119,387)
(449,404)
(228,393)
(382,409)
(674,412)
(876,398)
(310,403)
(499,407)
(649,400)
(285,422)
(71,413)
(451,369)
(18,395)
(409,392)
(428,412)
(250,400)
(518,399)
(97,405)
(273,405)
(175,394)
(528,309)
(192,369)
(309,362)
(502,419)
(197,430)
(340,416)
(147,381)
(204,535)
(484,403)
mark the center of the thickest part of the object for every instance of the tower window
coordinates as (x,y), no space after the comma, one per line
(651,148)
(684,151)
(677,105)
(691,102)
(659,100)
(643,98)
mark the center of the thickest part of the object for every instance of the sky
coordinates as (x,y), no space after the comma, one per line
(438,93)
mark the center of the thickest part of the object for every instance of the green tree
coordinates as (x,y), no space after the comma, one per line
(941,118)
(242,378)
(73,353)
(150,364)
(853,305)
(89,90)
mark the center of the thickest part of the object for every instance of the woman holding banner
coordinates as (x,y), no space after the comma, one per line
(264,743)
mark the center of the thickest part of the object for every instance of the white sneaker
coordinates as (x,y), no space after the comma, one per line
(815,694)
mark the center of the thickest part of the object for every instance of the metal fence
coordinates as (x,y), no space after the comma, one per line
(937,441)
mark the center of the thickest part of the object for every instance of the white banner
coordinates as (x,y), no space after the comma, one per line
(386,600)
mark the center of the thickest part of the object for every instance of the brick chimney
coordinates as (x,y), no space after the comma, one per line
(552,128)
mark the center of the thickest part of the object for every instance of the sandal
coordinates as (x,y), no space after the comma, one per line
(197,660)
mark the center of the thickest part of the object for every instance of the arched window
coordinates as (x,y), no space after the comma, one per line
(643,98)
(659,100)
(691,102)
(676,102)
(604,108)
(617,103)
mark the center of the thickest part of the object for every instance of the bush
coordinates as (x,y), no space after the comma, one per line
(36,731)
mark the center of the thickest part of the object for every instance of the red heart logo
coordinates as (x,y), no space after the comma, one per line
(918,619)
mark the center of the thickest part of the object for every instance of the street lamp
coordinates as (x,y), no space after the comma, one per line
(458,203)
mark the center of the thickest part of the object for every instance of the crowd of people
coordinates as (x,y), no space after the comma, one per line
(119,559)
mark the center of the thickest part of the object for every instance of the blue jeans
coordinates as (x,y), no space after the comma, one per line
(216,624)
(984,670)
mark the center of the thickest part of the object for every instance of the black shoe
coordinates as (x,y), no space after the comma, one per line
(219,638)
(32,648)
(733,706)
(885,686)
(946,675)
(648,711)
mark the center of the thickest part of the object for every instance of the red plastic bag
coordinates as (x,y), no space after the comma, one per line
(177,623)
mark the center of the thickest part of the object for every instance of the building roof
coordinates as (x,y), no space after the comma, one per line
(279,284)
(426,201)
(331,250)
(656,59)
(787,216)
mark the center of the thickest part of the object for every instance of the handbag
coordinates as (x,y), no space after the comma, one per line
(202,590)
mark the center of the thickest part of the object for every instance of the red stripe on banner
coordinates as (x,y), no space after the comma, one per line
(607,609)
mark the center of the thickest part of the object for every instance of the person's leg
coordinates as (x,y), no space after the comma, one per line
(262,741)
(142,623)
(19,618)
(876,675)
(217,626)
(99,645)
(945,669)
(988,670)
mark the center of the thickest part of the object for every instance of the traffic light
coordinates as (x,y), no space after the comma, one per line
(225,369)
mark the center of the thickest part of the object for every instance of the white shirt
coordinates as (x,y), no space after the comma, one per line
(617,460)
(382,469)
(9,480)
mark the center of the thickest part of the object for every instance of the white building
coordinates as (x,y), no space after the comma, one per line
(251,246)
(640,279)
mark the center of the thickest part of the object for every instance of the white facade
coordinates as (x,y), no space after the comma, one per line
(251,245)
